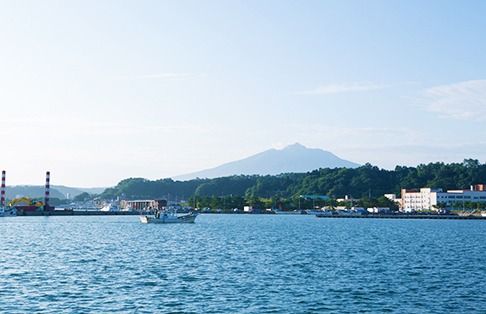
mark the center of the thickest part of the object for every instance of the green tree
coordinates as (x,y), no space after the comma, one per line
(256,202)
(82,197)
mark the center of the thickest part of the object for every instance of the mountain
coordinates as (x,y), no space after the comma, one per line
(56,191)
(32,191)
(76,191)
(293,158)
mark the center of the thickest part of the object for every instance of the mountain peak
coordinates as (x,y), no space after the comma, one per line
(292,158)
(295,146)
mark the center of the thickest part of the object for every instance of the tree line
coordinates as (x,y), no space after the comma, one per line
(229,202)
(367,183)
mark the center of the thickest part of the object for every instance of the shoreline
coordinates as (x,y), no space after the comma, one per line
(404,216)
(353,215)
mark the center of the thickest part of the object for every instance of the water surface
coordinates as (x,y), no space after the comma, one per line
(242,264)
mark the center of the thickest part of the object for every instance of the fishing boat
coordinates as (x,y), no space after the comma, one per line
(165,217)
(326,213)
(8,211)
(349,212)
(111,207)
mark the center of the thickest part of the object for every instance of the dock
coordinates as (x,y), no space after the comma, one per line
(402,216)
(76,213)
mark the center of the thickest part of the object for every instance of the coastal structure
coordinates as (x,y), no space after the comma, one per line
(394,198)
(429,198)
(146,204)
(48,189)
(2,199)
(347,198)
(140,204)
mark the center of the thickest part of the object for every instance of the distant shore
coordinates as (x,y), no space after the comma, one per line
(335,215)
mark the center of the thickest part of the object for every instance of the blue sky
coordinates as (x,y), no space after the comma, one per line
(99,91)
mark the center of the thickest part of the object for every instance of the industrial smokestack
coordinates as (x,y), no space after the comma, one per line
(2,200)
(48,178)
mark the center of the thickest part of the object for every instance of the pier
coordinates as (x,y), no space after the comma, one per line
(76,213)
(402,216)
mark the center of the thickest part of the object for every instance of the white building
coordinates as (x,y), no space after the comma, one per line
(394,198)
(426,198)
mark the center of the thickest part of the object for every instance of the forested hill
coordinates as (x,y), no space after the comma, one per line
(366,180)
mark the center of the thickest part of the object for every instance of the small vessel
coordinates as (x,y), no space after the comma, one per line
(164,217)
(282,212)
(348,212)
(8,211)
(325,213)
(316,212)
(111,207)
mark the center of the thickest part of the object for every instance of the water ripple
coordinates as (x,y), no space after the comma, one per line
(241,264)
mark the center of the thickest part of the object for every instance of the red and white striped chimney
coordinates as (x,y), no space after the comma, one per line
(2,200)
(48,178)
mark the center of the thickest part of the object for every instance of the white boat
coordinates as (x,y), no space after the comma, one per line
(347,212)
(318,212)
(7,211)
(110,208)
(325,213)
(163,217)
(282,212)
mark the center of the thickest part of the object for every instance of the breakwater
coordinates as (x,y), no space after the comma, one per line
(75,213)
(402,216)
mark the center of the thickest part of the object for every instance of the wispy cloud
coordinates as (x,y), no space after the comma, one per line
(173,76)
(343,88)
(164,75)
(462,101)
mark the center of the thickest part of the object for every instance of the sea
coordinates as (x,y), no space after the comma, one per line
(242,264)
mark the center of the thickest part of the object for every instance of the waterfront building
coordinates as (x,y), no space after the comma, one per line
(347,199)
(141,204)
(428,198)
(394,198)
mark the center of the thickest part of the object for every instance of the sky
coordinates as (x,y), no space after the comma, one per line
(99,91)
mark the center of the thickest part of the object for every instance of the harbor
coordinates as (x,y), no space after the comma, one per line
(141,207)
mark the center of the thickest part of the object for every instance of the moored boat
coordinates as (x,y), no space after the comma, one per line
(282,212)
(165,217)
(325,213)
(318,212)
(111,207)
(348,212)
(8,211)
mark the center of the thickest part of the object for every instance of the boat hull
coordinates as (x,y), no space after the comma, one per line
(8,212)
(281,212)
(169,219)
